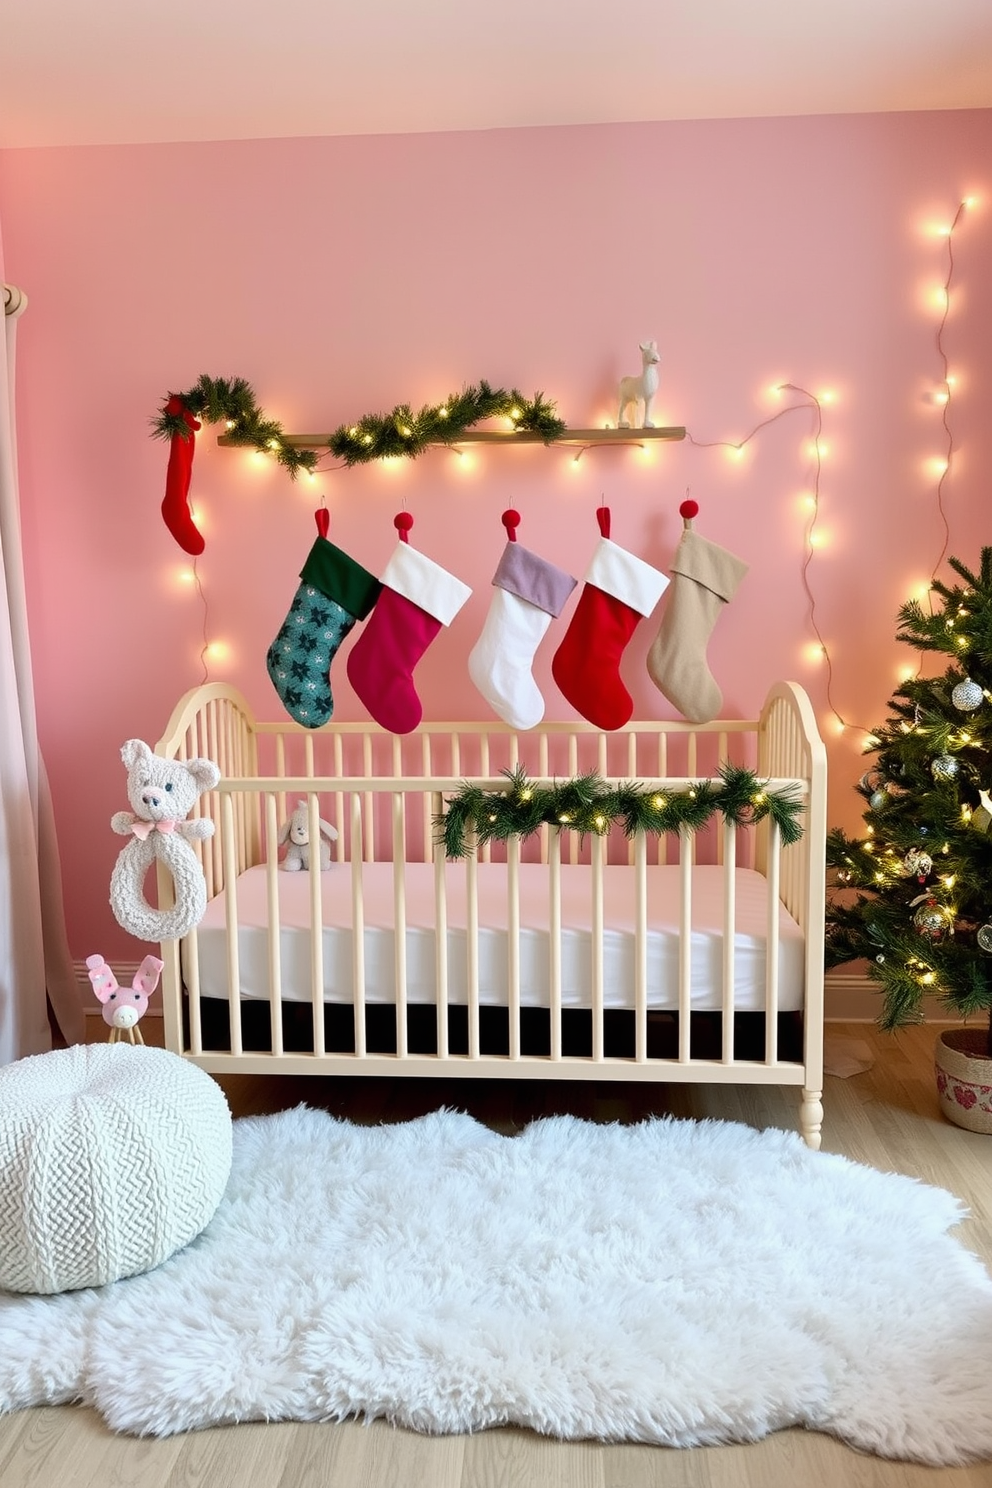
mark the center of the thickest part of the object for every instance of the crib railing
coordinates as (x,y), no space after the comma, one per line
(383,794)
(403,800)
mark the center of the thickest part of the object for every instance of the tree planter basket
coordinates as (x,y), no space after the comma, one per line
(964,1078)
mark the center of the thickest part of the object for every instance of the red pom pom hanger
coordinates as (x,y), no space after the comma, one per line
(511,521)
(403,521)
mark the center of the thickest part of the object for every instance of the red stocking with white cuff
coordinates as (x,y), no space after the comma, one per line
(620,590)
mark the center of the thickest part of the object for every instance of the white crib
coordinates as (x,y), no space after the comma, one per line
(689,957)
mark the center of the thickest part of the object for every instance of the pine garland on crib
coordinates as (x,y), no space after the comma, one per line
(589,805)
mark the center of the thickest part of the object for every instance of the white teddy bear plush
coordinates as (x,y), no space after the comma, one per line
(162,793)
(296,831)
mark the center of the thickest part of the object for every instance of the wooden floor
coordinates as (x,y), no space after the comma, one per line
(887,1117)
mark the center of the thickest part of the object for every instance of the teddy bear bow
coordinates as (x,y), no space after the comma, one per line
(141,829)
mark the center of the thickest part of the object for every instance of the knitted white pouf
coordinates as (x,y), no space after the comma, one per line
(112,1157)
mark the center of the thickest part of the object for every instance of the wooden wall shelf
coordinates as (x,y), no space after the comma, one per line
(584,437)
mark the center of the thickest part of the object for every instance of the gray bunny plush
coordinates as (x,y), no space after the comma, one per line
(296,831)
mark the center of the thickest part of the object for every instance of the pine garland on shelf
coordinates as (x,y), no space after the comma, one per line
(590,806)
(403,432)
(231,402)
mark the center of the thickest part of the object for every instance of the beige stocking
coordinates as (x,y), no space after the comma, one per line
(704,578)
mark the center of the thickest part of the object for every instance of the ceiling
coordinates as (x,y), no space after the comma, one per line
(133,71)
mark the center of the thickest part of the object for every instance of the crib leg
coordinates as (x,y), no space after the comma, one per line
(811,1117)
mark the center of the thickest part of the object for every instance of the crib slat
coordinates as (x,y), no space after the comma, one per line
(513,946)
(205,740)
(598,854)
(316,919)
(631,775)
(339,845)
(399,925)
(357,926)
(441,938)
(641,947)
(472,948)
(487,851)
(241,802)
(662,773)
(542,771)
(209,851)
(721,754)
(427,823)
(191,969)
(369,800)
(231,907)
(554,943)
(729,923)
(280,770)
(772,944)
(275,936)
(685,942)
(573,770)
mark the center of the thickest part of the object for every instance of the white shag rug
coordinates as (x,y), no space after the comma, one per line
(671,1282)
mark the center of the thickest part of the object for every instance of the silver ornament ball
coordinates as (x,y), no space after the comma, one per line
(967,696)
(984,937)
(932,921)
(878,800)
(944,767)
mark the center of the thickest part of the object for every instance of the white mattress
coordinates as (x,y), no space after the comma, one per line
(618,939)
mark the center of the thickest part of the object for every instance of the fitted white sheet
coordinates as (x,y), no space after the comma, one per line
(576,891)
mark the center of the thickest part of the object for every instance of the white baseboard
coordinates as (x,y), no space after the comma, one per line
(849,998)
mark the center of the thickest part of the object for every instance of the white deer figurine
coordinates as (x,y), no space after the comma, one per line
(640,389)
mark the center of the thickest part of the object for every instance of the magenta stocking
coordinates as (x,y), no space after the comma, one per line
(418,597)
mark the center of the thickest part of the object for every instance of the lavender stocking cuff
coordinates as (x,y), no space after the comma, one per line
(534,579)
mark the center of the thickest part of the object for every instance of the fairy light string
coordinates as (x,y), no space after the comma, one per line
(811,402)
(945,394)
(207,643)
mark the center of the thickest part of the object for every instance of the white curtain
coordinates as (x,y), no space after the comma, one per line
(35,966)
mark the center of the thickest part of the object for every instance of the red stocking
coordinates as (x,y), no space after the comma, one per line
(619,590)
(175,507)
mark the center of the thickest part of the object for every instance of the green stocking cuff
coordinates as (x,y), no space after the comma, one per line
(340,578)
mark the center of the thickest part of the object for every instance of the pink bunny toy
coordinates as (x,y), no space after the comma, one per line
(123,1009)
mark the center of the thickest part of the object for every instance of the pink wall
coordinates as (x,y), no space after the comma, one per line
(345,275)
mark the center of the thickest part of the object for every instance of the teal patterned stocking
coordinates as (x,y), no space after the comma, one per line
(335,593)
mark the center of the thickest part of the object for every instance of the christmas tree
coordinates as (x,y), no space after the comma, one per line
(914,896)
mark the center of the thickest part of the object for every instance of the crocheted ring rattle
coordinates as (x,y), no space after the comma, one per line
(161,792)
